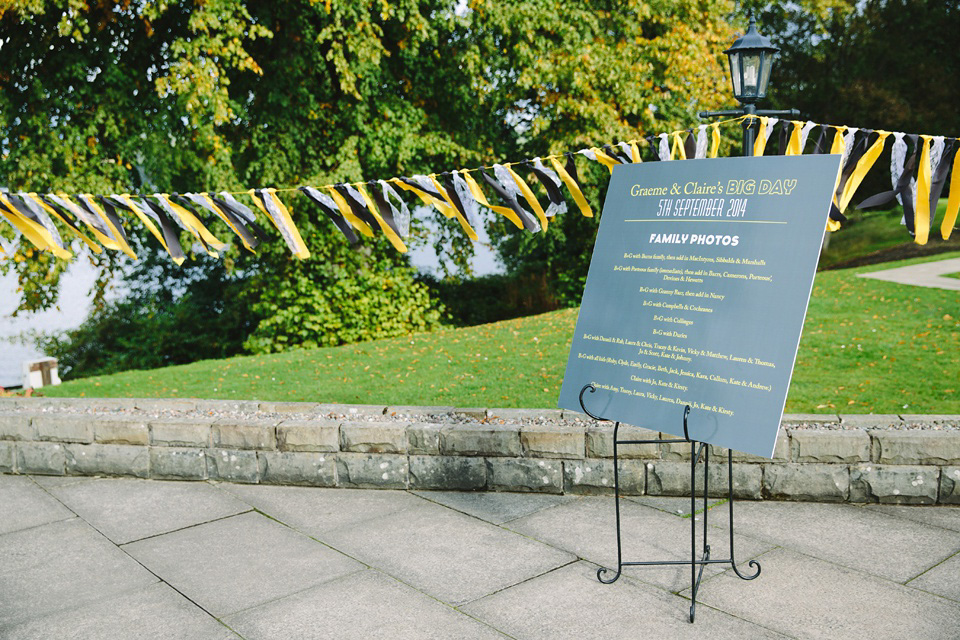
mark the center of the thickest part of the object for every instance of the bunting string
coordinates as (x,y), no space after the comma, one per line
(920,168)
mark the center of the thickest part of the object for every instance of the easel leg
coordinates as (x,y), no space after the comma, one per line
(616,493)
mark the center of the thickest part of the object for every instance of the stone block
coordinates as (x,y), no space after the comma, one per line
(244,406)
(451,473)
(107,459)
(178,463)
(233,465)
(64,428)
(373,437)
(949,485)
(372,470)
(524,474)
(180,432)
(472,413)
(809,419)
(811,482)
(17,426)
(290,407)
(298,467)
(121,430)
(916,447)
(552,441)
(894,485)
(677,449)
(666,478)
(595,476)
(319,436)
(480,440)
(837,446)
(164,404)
(781,451)
(411,411)
(245,434)
(599,441)
(423,438)
(931,419)
(7,457)
(44,458)
(520,415)
(871,421)
(350,410)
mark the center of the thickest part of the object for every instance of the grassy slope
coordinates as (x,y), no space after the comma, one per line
(868,346)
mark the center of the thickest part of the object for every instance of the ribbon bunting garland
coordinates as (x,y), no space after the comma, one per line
(920,166)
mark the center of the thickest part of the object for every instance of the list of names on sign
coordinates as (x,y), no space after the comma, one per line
(696,295)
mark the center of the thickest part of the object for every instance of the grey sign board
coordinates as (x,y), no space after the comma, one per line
(696,295)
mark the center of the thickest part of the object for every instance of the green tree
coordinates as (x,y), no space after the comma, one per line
(228,94)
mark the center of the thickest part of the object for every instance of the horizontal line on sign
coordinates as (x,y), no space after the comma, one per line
(731,221)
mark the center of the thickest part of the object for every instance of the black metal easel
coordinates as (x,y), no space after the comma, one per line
(696,450)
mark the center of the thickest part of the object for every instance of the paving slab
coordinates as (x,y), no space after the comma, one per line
(367,605)
(938,516)
(128,509)
(60,481)
(570,603)
(58,566)
(943,579)
(239,562)
(314,510)
(496,508)
(446,554)
(156,612)
(802,596)
(681,506)
(852,536)
(23,505)
(587,528)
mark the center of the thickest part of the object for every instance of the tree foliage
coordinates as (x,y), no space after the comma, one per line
(114,96)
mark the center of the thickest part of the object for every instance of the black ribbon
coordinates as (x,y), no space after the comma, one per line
(338,220)
(529,223)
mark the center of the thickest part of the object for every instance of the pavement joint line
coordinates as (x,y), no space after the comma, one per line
(189,526)
(900,517)
(296,593)
(43,524)
(931,568)
(124,552)
(528,579)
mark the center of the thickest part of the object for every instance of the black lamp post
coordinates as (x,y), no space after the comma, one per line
(751,60)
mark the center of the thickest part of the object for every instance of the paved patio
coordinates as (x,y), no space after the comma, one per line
(926,274)
(125,558)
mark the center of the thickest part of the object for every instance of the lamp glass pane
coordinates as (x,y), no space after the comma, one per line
(751,73)
(765,73)
(735,72)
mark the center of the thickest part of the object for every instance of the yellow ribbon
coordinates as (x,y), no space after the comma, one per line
(347,213)
(714,139)
(838,144)
(299,248)
(635,152)
(678,151)
(760,144)
(531,198)
(194,226)
(148,223)
(116,233)
(32,231)
(953,203)
(478,195)
(922,218)
(863,166)
(793,146)
(450,210)
(387,229)
(574,188)
(56,214)
(102,238)
(604,159)
(223,216)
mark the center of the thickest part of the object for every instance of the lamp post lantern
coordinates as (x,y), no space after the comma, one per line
(751,59)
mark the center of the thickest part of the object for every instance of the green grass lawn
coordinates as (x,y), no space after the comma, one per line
(869,232)
(868,346)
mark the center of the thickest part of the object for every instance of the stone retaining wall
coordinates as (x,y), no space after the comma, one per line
(892,459)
